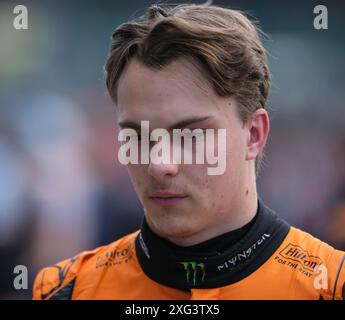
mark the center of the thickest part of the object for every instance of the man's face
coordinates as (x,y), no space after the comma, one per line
(182,199)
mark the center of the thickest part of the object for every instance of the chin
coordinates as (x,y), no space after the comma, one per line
(173,227)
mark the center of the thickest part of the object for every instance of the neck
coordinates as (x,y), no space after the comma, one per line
(209,247)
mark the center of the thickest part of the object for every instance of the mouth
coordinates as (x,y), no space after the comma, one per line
(167,198)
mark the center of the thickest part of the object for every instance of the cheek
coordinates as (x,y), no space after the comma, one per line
(212,196)
(235,152)
(218,196)
(202,185)
(137,173)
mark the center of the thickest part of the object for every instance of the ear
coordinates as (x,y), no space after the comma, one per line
(258,129)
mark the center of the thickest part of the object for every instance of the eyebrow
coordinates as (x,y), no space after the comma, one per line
(177,125)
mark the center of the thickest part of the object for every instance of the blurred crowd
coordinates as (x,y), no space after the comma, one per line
(62,189)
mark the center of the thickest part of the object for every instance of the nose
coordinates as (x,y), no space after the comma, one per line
(162,171)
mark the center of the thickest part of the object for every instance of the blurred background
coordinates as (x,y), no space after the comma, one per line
(62,189)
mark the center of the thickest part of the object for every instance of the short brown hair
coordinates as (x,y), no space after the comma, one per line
(224,42)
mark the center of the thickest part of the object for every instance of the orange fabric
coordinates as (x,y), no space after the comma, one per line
(113,272)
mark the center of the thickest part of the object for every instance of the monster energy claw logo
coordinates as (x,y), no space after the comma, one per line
(191,268)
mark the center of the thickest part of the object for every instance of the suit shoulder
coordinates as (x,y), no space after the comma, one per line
(317,255)
(313,245)
(57,281)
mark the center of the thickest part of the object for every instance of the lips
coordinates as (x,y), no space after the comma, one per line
(165,194)
(167,198)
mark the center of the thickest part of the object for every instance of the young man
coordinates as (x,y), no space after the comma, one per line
(203,236)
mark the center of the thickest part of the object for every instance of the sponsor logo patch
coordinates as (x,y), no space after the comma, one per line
(302,257)
(195,271)
(115,256)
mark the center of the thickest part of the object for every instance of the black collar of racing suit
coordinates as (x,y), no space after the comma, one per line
(214,263)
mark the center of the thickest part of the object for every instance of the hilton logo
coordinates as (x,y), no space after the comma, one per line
(301,256)
(115,256)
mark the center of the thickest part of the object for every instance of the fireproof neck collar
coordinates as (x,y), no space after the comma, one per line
(217,262)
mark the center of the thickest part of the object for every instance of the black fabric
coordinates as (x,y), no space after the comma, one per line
(65,293)
(214,263)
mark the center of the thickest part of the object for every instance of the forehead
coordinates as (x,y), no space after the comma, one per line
(173,93)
